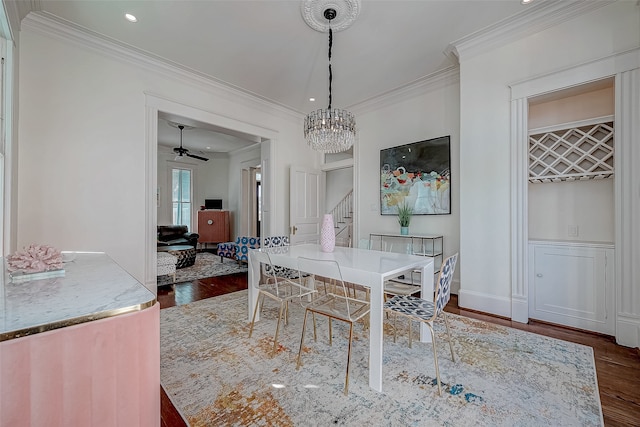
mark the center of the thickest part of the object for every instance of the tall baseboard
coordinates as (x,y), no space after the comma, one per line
(500,306)
(628,330)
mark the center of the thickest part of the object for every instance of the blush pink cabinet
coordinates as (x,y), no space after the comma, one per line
(96,364)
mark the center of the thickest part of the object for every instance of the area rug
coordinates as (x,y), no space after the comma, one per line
(216,375)
(206,265)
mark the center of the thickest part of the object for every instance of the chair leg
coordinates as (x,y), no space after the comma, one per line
(315,332)
(435,358)
(255,311)
(275,339)
(446,323)
(286,313)
(410,338)
(346,381)
(304,324)
(395,326)
(330,333)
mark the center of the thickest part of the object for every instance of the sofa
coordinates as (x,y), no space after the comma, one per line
(238,250)
(169,235)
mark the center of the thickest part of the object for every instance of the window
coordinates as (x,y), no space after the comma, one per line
(181,196)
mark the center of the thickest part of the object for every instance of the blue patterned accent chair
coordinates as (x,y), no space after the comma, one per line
(238,250)
(425,311)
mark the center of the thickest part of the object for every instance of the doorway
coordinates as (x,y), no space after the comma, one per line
(251,211)
(264,138)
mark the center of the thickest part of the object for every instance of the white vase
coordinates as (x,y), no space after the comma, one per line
(327,234)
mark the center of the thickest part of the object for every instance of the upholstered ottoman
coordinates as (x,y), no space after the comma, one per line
(167,264)
(186,255)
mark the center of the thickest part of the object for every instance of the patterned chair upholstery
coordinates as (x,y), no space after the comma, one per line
(287,273)
(238,250)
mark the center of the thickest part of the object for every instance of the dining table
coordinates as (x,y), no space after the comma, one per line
(365,267)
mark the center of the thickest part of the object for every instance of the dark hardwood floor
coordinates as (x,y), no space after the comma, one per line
(618,368)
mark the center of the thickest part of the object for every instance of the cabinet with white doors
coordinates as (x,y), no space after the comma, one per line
(572,284)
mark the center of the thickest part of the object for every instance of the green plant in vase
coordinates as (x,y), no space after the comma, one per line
(404,217)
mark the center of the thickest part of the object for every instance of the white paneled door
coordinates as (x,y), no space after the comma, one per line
(306,204)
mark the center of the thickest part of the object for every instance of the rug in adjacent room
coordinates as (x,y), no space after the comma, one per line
(216,375)
(206,265)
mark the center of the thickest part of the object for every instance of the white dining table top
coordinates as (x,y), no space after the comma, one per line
(351,260)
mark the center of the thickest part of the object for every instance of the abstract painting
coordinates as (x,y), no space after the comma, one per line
(418,174)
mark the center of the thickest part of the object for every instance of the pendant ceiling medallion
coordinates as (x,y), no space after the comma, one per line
(313,14)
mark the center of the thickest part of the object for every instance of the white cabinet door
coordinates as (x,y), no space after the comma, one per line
(572,284)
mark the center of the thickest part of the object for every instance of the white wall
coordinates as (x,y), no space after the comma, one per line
(339,183)
(429,112)
(589,105)
(81,183)
(485,162)
(589,205)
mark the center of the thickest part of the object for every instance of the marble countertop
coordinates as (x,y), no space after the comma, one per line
(93,287)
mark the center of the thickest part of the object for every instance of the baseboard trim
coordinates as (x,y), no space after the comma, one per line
(628,331)
(486,303)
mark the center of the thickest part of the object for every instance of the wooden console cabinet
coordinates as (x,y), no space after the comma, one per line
(213,226)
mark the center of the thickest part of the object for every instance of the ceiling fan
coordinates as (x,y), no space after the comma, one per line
(183,151)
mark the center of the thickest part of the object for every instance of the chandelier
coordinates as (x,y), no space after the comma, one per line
(330,130)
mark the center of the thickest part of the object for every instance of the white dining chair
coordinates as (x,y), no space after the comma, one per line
(280,289)
(334,305)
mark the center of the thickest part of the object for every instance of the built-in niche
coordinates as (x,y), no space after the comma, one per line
(571,202)
(571,164)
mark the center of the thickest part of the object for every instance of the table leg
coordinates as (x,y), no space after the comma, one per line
(376,335)
(426,292)
(252,285)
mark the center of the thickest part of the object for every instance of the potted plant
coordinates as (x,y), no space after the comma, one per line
(404,217)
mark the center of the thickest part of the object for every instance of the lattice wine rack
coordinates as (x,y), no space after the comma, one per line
(578,153)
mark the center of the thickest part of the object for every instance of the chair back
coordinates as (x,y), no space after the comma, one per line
(364,244)
(445,277)
(267,276)
(331,269)
(274,241)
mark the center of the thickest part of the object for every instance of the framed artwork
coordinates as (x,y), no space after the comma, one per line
(418,174)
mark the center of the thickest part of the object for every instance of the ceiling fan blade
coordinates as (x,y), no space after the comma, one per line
(197,157)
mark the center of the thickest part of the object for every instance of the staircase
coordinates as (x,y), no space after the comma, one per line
(343,219)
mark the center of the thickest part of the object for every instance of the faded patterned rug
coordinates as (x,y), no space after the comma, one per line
(206,265)
(217,376)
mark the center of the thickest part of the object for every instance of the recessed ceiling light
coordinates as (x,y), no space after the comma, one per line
(208,148)
(130,17)
(312,99)
(525,1)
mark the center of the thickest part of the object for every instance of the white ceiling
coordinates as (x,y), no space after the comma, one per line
(264,47)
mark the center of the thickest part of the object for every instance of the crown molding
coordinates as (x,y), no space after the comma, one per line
(537,18)
(422,86)
(52,26)
(15,11)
